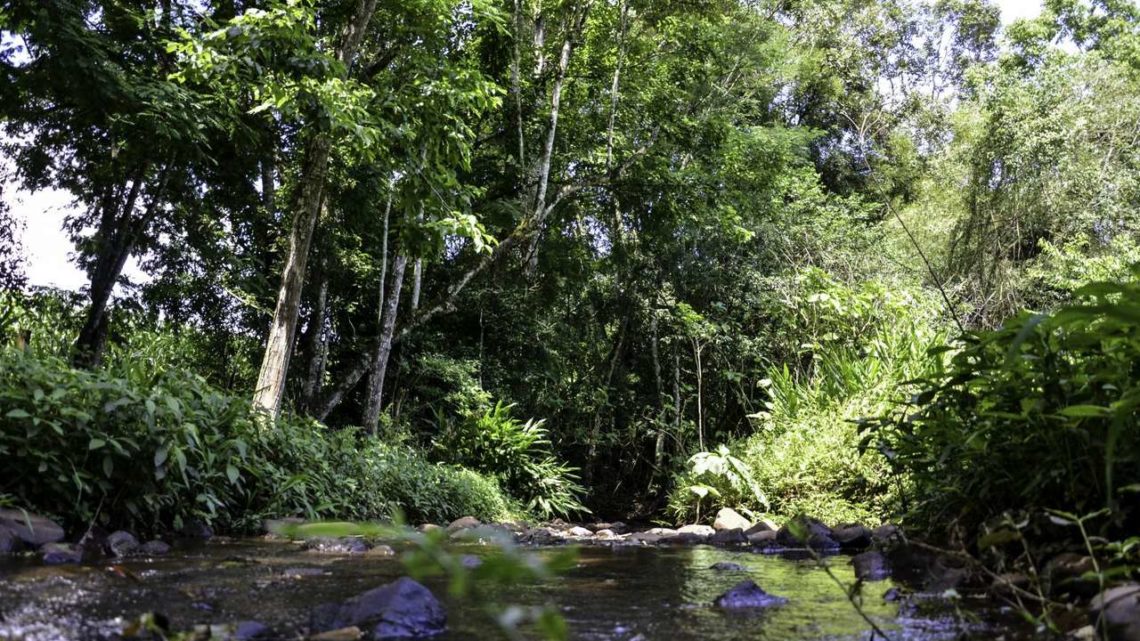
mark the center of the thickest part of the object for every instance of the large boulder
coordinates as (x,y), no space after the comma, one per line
(729,519)
(403,609)
(763,525)
(154,548)
(1116,613)
(747,594)
(9,543)
(29,528)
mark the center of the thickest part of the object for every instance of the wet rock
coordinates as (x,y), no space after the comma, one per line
(734,536)
(727,566)
(762,539)
(486,533)
(747,594)
(649,538)
(9,543)
(817,535)
(617,527)
(382,550)
(579,531)
(470,561)
(729,519)
(428,527)
(539,536)
(31,529)
(1115,613)
(852,537)
(886,534)
(398,610)
(463,523)
(154,548)
(121,543)
(61,553)
(871,566)
(699,530)
(606,534)
(763,525)
(328,545)
(198,530)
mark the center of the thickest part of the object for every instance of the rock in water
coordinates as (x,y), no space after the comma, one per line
(1116,613)
(871,566)
(154,548)
(403,609)
(9,543)
(729,519)
(463,523)
(818,535)
(121,543)
(727,566)
(734,536)
(852,537)
(747,594)
(61,553)
(29,528)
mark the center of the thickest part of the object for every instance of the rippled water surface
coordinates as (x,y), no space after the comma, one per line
(628,594)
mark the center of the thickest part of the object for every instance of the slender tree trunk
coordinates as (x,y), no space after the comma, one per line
(539,205)
(275,363)
(118,233)
(417,282)
(659,446)
(384,349)
(516,83)
(596,430)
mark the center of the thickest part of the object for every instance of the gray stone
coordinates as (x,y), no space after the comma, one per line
(121,543)
(463,523)
(747,594)
(763,525)
(763,538)
(428,527)
(734,536)
(399,610)
(699,530)
(649,538)
(381,550)
(852,537)
(154,548)
(470,561)
(871,566)
(1115,613)
(31,529)
(61,553)
(818,536)
(617,527)
(727,566)
(579,531)
(729,519)
(886,534)
(606,534)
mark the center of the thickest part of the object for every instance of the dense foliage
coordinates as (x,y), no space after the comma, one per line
(704,247)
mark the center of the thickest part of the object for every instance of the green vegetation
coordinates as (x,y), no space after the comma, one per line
(866,261)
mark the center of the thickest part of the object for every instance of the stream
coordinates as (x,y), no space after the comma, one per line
(615,593)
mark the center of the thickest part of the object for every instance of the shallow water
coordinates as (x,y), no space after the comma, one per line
(620,593)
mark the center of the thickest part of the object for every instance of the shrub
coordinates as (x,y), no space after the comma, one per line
(1041,413)
(92,447)
(857,345)
(516,453)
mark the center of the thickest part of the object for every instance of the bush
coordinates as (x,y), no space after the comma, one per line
(92,447)
(857,345)
(1041,413)
(516,453)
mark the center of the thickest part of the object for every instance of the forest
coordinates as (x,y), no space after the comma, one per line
(803,262)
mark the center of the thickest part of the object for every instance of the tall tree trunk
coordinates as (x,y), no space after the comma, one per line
(542,170)
(659,446)
(275,363)
(384,349)
(417,282)
(316,345)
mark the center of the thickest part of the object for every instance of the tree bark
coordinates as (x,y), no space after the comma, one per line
(117,235)
(317,346)
(275,363)
(384,349)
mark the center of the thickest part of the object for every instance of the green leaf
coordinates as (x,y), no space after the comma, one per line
(1086,411)
(232,473)
(96,443)
(18,413)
